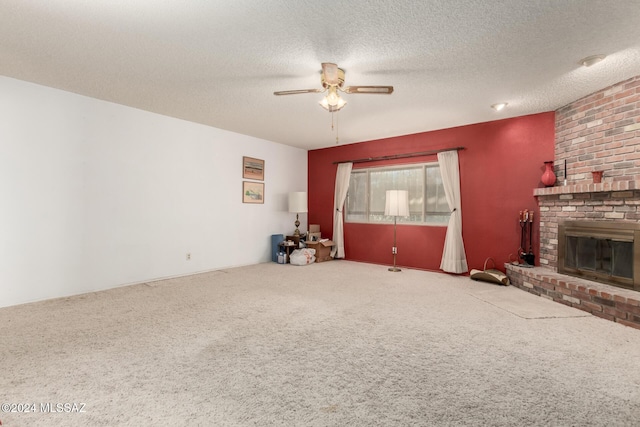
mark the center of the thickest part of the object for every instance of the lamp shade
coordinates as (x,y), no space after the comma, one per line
(298,202)
(397,203)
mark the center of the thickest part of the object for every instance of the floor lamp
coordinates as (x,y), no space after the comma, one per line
(297,205)
(397,204)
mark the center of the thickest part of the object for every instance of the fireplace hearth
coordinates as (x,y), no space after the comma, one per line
(604,251)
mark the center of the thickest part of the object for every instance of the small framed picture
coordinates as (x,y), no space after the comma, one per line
(252,168)
(252,192)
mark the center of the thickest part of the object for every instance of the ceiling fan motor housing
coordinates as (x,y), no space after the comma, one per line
(339,83)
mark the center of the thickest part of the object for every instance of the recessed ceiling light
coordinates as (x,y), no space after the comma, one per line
(499,106)
(590,60)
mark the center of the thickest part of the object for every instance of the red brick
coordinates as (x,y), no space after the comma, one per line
(604,316)
(544,285)
(592,307)
(615,313)
(583,296)
(606,295)
(564,291)
(632,301)
(618,298)
(633,83)
(628,308)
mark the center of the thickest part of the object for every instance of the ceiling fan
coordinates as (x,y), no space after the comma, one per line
(332,79)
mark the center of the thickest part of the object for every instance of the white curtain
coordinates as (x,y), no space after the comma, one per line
(454,259)
(342,186)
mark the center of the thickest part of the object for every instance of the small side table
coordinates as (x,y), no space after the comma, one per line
(287,249)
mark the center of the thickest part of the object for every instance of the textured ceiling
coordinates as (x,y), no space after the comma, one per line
(219,62)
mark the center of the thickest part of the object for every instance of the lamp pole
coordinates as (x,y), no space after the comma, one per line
(396,204)
(394,250)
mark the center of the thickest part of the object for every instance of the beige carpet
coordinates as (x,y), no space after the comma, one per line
(331,344)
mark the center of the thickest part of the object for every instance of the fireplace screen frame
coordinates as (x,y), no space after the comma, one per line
(616,231)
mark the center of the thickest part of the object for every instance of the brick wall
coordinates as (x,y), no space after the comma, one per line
(600,132)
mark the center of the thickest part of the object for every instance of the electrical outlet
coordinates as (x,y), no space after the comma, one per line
(188,256)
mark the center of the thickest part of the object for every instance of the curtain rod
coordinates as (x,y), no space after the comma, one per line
(400,156)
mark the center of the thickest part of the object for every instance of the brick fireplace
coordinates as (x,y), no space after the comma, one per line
(598,132)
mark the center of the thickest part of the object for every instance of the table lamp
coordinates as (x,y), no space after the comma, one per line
(297,205)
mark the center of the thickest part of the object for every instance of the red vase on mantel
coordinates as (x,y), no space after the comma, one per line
(597,176)
(548,177)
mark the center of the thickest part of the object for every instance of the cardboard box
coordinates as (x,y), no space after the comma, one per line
(313,237)
(323,250)
(314,228)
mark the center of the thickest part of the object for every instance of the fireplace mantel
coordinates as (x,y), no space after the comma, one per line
(606,201)
(588,188)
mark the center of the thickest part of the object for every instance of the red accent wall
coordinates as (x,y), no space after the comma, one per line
(501,165)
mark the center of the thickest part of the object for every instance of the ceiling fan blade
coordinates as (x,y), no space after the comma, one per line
(295,92)
(330,72)
(383,90)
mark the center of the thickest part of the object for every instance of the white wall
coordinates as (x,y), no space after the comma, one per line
(96,195)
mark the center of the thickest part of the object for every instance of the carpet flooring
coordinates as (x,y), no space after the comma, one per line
(331,344)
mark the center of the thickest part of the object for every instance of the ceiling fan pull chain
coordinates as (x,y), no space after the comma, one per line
(337,129)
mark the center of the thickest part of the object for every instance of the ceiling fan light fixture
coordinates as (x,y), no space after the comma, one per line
(324,103)
(332,79)
(591,60)
(499,106)
(332,101)
(332,97)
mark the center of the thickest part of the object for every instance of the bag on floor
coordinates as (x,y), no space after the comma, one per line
(302,256)
(490,275)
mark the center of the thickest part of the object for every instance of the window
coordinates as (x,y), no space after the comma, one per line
(427,202)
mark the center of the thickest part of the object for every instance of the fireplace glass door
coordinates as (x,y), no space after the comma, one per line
(604,256)
(604,251)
